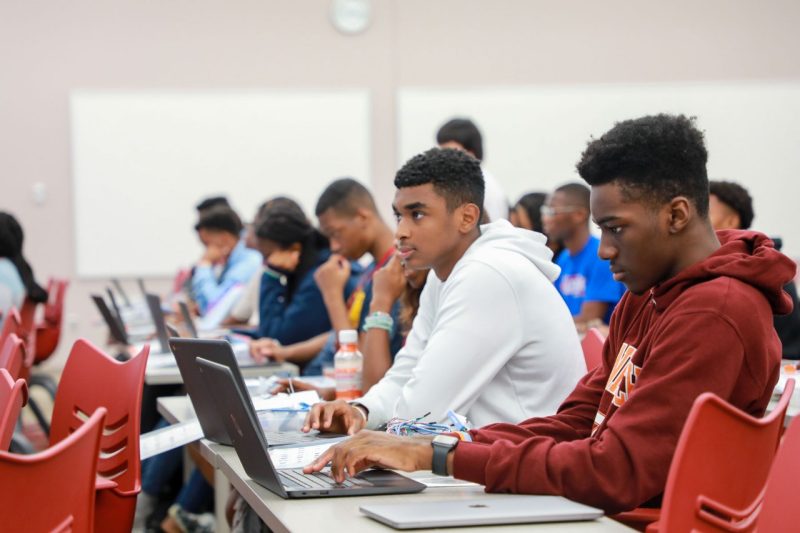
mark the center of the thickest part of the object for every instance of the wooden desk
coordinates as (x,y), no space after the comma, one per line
(320,514)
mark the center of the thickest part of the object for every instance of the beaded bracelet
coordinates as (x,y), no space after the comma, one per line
(379,320)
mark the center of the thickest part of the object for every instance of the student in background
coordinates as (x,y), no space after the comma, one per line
(586,282)
(463,134)
(245,312)
(16,276)
(527,213)
(226,261)
(291,305)
(731,207)
(697,318)
(492,340)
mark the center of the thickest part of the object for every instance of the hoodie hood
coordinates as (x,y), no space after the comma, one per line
(501,235)
(748,256)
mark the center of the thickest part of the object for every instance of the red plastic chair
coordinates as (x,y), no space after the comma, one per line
(13,395)
(48,332)
(777,512)
(53,490)
(92,379)
(720,466)
(592,345)
(181,277)
(11,324)
(12,355)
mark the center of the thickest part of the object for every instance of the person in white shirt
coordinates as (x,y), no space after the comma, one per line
(463,134)
(493,340)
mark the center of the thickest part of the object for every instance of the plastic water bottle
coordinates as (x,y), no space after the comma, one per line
(348,366)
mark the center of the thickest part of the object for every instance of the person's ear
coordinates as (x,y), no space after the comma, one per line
(362,216)
(679,214)
(469,215)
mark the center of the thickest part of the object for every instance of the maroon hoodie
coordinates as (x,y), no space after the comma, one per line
(708,329)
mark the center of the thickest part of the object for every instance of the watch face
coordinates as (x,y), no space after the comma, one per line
(447,440)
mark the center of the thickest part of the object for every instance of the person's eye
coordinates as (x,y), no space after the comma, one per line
(417,215)
(614,230)
(397,217)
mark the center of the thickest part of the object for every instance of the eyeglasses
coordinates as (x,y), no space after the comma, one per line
(547,211)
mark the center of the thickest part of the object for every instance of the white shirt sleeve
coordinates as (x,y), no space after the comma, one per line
(447,364)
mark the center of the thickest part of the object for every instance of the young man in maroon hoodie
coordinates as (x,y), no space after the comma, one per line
(697,318)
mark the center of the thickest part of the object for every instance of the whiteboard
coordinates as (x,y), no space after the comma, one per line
(143,159)
(533,136)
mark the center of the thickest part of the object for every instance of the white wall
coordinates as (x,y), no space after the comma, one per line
(54,48)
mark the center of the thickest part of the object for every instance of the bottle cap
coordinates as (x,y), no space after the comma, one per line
(348,336)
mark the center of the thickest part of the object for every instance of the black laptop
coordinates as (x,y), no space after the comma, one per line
(234,406)
(157,314)
(186,351)
(188,320)
(115,325)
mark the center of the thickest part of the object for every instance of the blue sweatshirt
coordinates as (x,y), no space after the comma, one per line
(305,316)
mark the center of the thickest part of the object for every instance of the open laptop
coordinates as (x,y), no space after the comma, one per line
(117,285)
(236,409)
(188,320)
(186,351)
(482,511)
(157,314)
(115,326)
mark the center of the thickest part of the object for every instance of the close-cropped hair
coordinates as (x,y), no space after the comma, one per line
(464,132)
(737,198)
(212,201)
(345,196)
(653,159)
(220,218)
(277,202)
(455,175)
(578,194)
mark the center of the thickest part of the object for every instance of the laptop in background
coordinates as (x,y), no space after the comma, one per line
(157,314)
(234,406)
(115,325)
(117,310)
(482,511)
(187,319)
(117,285)
(186,352)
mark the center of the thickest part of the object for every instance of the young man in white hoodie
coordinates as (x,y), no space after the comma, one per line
(493,340)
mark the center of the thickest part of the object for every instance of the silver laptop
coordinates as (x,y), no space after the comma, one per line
(236,409)
(483,511)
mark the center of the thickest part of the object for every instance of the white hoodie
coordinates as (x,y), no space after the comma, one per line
(494,342)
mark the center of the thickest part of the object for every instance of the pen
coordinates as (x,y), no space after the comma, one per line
(291,387)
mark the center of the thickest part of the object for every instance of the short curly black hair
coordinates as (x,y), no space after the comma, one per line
(220,218)
(737,198)
(455,175)
(653,158)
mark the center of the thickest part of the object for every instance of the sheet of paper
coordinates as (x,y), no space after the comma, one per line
(286,401)
(429,479)
(169,438)
(298,456)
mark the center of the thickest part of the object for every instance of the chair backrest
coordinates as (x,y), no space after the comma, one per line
(53,490)
(13,395)
(48,332)
(592,345)
(11,324)
(779,497)
(720,466)
(92,379)
(181,277)
(12,356)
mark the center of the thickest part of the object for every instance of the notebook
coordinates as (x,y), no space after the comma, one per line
(483,511)
(236,409)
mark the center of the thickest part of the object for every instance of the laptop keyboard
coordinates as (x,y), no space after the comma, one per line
(295,478)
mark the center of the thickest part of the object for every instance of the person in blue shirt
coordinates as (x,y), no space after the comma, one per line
(586,282)
(226,262)
(291,305)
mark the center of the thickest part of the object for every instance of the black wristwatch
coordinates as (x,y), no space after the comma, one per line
(442,444)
